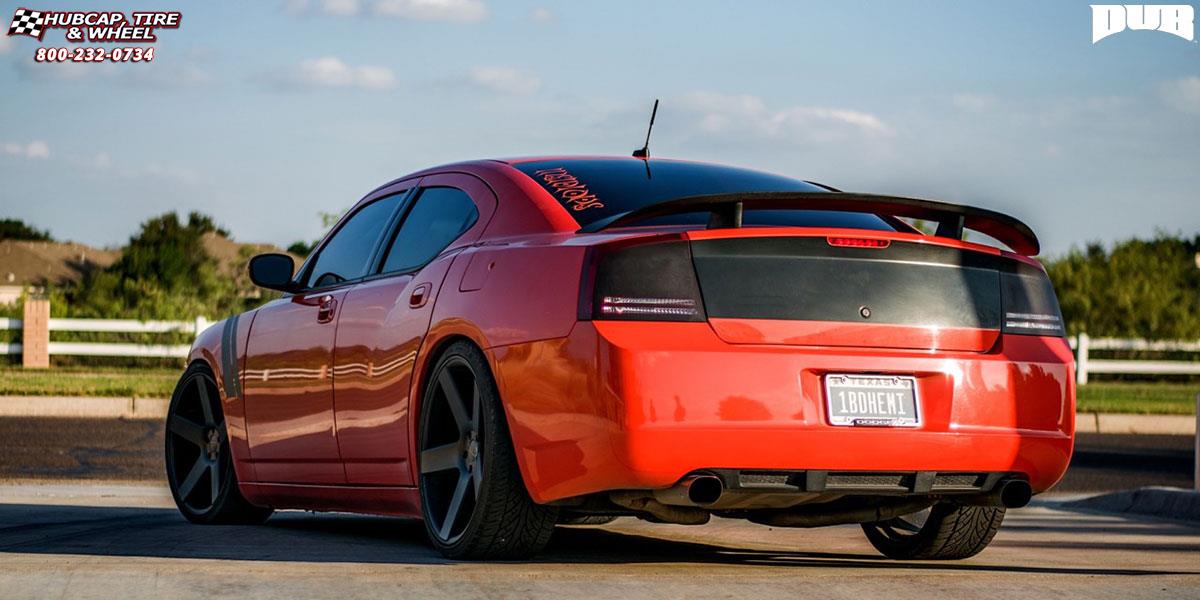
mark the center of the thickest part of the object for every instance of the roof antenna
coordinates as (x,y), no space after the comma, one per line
(644,152)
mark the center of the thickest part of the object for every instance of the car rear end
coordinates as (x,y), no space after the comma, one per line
(842,360)
(830,361)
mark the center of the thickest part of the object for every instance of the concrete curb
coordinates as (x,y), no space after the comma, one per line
(83,407)
(1162,502)
(1138,424)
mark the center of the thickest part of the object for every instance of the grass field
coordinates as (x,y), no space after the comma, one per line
(88,381)
(1144,398)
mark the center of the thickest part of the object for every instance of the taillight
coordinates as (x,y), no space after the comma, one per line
(1030,306)
(850,242)
(620,305)
(641,281)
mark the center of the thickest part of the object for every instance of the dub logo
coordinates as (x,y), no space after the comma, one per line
(1108,19)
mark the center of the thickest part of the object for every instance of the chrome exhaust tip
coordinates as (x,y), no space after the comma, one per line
(694,490)
(704,489)
(1015,493)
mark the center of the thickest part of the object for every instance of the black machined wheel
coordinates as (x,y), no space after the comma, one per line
(451,466)
(473,500)
(199,465)
(944,531)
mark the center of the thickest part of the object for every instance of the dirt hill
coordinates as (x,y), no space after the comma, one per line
(58,263)
(40,263)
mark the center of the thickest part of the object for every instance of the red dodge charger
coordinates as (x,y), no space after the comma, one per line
(501,346)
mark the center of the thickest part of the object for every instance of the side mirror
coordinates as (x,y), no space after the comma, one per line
(273,271)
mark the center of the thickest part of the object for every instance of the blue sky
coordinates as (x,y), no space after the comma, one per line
(264,114)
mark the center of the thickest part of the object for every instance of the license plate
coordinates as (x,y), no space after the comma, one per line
(872,400)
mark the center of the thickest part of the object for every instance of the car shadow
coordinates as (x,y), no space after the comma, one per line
(340,538)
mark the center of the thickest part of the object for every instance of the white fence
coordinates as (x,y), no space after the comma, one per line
(112,326)
(1085,364)
(1082,344)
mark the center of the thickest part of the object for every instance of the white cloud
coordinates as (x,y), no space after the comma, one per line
(506,80)
(28,69)
(973,102)
(541,14)
(34,149)
(1182,94)
(747,115)
(104,165)
(168,77)
(295,7)
(331,72)
(340,7)
(6,44)
(453,11)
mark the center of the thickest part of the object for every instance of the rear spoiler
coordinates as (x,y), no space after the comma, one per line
(726,211)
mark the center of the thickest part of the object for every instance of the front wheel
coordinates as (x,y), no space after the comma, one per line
(199,465)
(943,531)
(473,500)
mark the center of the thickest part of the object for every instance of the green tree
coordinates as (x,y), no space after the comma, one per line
(16,229)
(1138,289)
(300,248)
(163,273)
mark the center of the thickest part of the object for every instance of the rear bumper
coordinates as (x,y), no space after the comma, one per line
(624,405)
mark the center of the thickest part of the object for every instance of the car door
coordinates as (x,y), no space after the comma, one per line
(385,319)
(288,380)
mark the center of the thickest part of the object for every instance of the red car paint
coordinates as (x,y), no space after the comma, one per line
(321,411)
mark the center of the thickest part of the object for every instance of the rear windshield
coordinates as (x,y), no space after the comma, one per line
(595,189)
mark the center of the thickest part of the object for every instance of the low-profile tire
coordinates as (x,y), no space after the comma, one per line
(572,519)
(944,531)
(473,500)
(199,464)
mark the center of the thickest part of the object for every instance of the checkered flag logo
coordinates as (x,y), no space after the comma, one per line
(28,22)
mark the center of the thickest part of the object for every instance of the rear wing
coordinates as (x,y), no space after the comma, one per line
(725,211)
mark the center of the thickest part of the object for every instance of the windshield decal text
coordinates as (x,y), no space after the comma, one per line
(569,189)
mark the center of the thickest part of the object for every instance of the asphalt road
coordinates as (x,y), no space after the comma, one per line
(67,530)
(107,541)
(1109,461)
(118,450)
(92,449)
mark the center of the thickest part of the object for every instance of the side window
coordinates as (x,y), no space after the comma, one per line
(345,256)
(440,215)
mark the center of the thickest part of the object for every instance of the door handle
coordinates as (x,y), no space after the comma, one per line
(420,296)
(326,309)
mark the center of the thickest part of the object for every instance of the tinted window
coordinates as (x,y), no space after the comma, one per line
(345,256)
(439,216)
(597,189)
